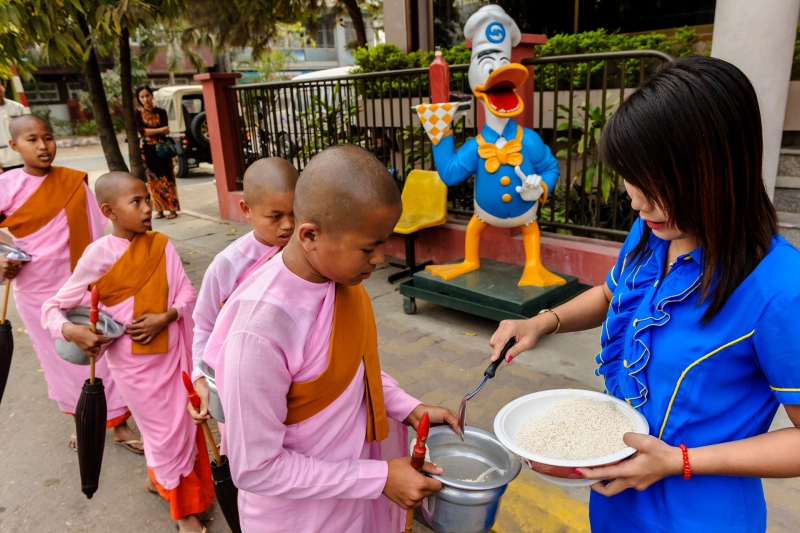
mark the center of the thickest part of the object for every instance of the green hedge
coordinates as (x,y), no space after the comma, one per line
(388,57)
(385,57)
(679,44)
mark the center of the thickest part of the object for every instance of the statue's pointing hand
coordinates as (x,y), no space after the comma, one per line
(531,188)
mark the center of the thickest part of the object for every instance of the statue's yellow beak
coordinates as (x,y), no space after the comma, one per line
(499,92)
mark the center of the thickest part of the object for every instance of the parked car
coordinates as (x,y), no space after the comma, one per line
(187,125)
(290,112)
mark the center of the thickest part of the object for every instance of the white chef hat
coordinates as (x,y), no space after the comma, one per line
(491,27)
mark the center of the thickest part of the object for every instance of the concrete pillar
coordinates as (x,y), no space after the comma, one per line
(395,23)
(222,134)
(758,37)
(340,42)
(425,43)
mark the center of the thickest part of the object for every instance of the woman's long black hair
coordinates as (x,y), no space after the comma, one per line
(690,139)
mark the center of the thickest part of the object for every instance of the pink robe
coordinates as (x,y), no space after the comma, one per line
(150,383)
(226,272)
(320,474)
(40,279)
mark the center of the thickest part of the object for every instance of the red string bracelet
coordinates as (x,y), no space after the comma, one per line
(687,469)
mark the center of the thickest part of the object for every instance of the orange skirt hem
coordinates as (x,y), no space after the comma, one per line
(195,492)
(114,422)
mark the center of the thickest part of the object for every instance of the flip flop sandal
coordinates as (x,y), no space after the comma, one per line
(129,445)
(172,216)
(178,528)
(158,215)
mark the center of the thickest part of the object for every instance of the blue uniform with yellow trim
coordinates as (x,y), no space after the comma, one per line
(495,192)
(698,385)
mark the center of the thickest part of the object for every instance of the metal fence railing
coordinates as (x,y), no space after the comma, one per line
(573,97)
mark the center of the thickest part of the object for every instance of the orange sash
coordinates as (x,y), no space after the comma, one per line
(354,338)
(61,189)
(140,272)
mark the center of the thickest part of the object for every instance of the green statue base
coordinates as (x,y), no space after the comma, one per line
(490,291)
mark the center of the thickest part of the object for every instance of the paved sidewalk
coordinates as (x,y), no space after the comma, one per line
(438,355)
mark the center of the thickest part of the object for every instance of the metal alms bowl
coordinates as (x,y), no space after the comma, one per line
(14,253)
(465,506)
(510,419)
(79,316)
(214,403)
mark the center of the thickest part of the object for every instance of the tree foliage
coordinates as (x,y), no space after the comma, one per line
(246,23)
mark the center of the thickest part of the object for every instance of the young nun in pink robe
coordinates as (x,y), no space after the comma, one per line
(51,257)
(149,382)
(343,467)
(268,197)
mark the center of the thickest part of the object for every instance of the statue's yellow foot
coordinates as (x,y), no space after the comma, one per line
(447,272)
(538,276)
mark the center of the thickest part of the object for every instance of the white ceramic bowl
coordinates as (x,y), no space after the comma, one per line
(509,420)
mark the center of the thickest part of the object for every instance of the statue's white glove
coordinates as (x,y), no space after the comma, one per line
(531,188)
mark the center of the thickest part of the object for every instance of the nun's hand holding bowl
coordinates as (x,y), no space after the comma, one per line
(82,336)
(9,268)
(654,460)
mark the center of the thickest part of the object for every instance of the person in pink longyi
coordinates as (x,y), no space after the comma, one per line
(142,284)
(268,196)
(314,428)
(52,215)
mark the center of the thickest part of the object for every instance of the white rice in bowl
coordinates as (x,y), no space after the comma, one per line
(577,429)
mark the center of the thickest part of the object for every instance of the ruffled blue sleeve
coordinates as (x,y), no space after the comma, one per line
(630,243)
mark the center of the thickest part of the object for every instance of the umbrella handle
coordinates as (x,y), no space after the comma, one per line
(409,520)
(91,369)
(212,443)
(5,301)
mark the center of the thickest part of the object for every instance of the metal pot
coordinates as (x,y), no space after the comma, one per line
(79,316)
(465,506)
(214,403)
(12,252)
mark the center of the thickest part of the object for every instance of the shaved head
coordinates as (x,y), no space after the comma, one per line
(268,176)
(110,185)
(340,185)
(18,125)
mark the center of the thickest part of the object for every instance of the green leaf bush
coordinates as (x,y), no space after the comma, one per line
(388,57)
(589,42)
(384,57)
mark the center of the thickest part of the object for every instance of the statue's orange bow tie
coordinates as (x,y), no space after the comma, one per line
(509,154)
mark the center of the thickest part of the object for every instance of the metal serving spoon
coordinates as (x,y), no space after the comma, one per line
(490,371)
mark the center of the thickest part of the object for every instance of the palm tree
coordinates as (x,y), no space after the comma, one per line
(176,40)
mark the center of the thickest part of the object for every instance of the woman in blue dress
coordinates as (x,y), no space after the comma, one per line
(699,315)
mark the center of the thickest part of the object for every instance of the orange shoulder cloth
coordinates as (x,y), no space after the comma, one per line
(140,272)
(354,338)
(61,189)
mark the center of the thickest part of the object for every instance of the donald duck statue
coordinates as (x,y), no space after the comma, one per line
(514,170)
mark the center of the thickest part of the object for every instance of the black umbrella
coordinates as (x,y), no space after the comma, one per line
(90,419)
(226,491)
(6,343)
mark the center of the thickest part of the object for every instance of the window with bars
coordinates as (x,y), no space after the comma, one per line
(41,92)
(324,35)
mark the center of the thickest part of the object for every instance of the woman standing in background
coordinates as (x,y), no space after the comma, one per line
(152,125)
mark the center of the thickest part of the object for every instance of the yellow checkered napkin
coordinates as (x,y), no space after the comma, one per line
(436,119)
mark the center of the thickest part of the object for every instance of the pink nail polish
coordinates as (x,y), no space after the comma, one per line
(508,359)
(576,471)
